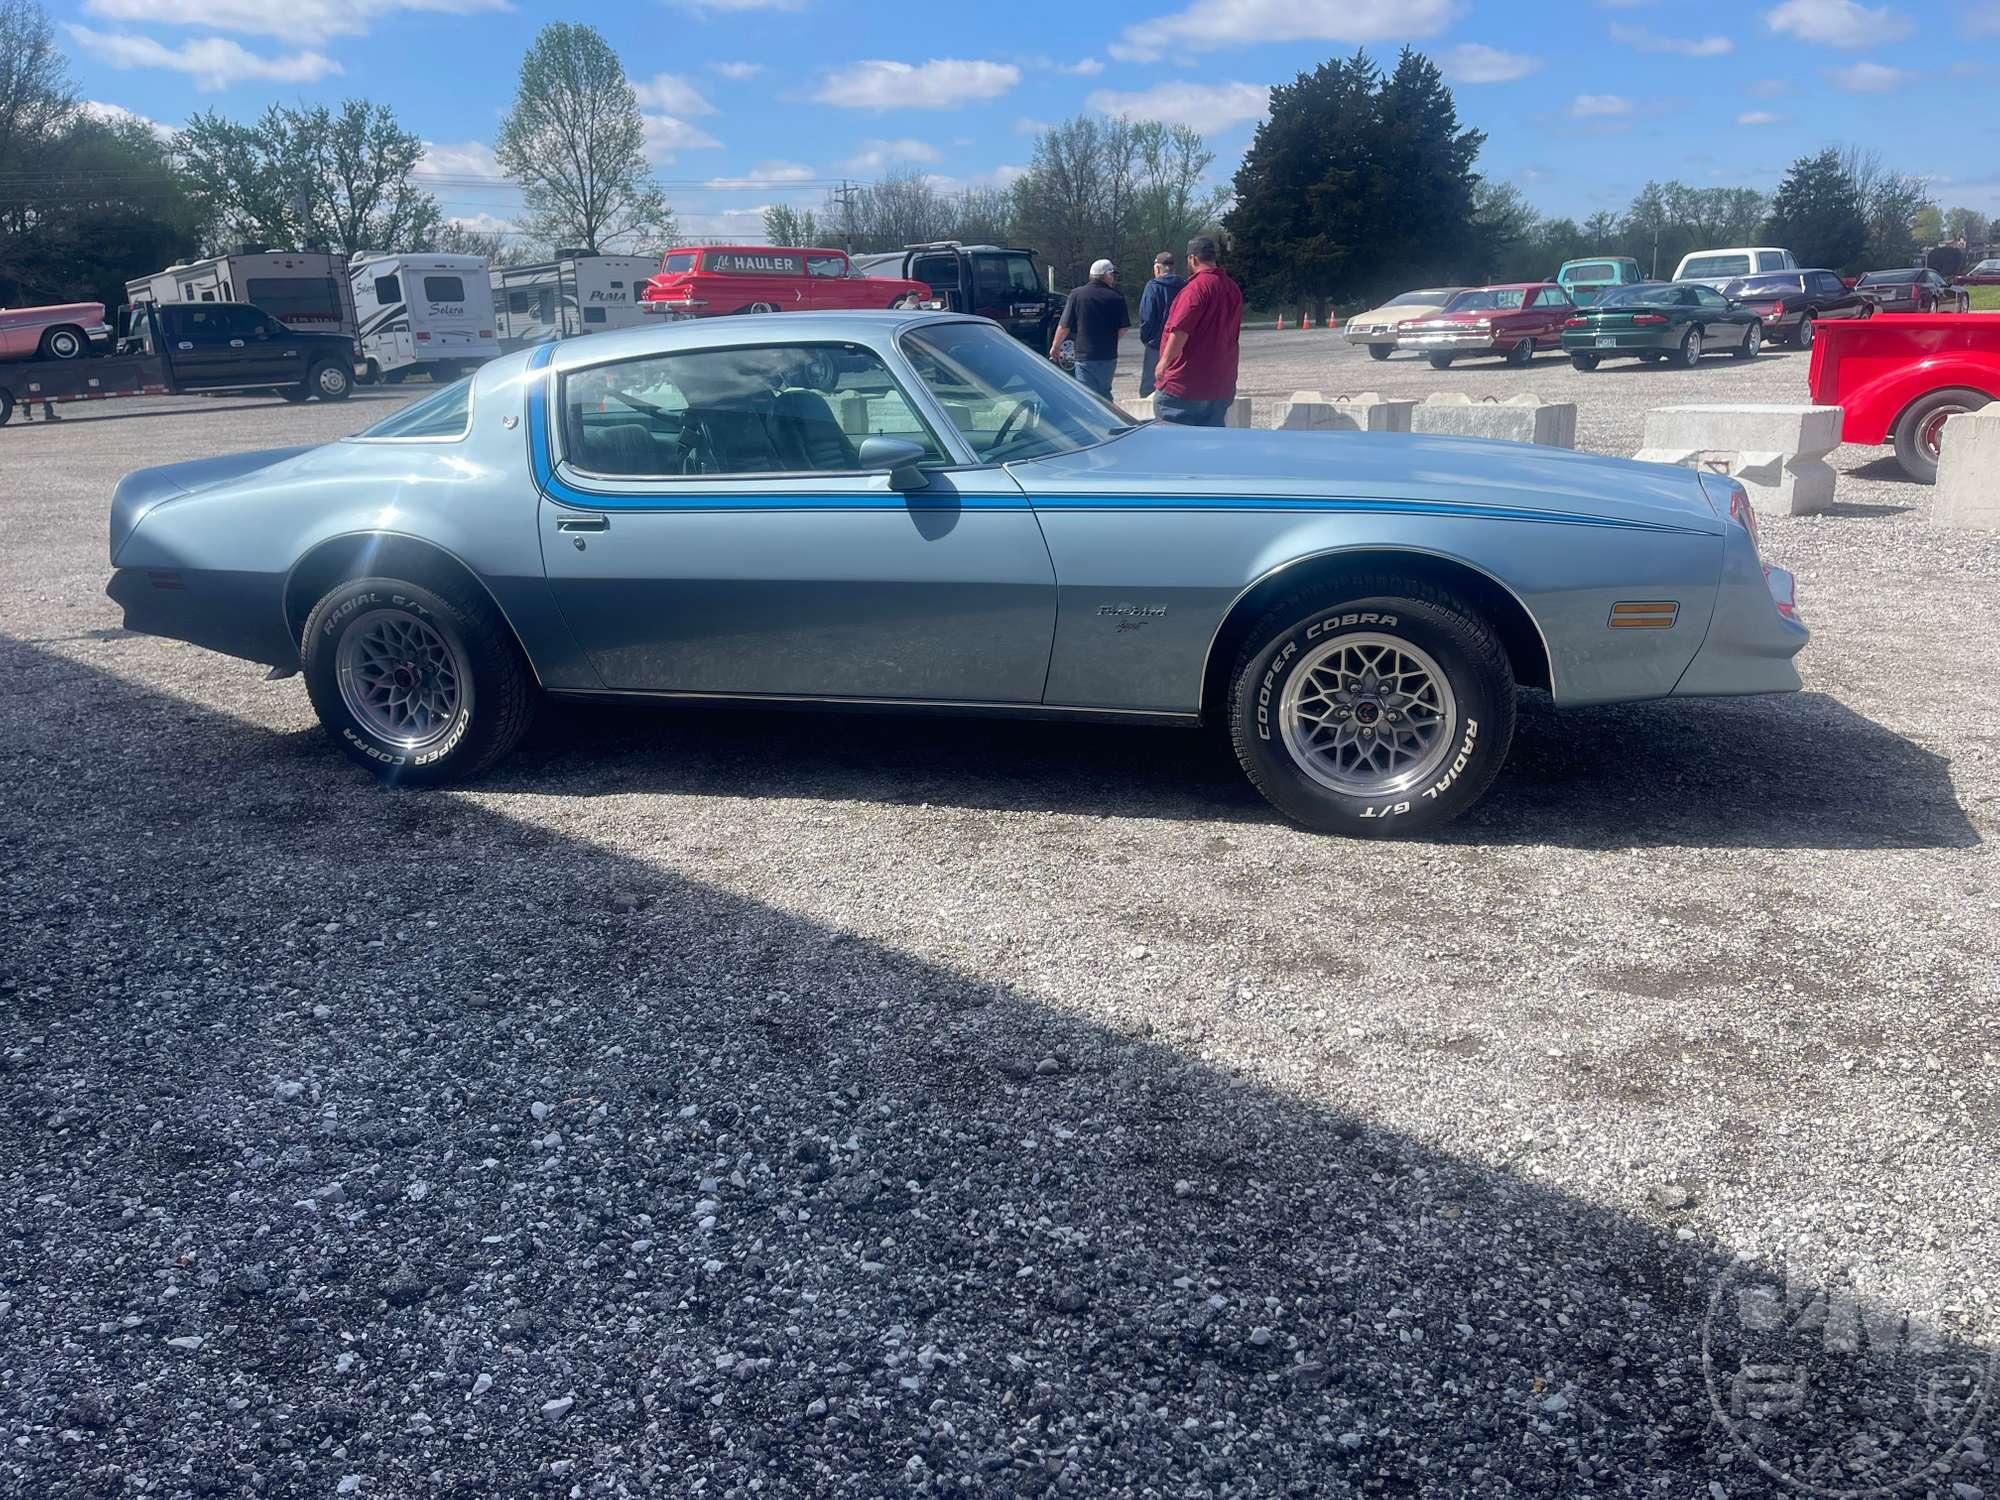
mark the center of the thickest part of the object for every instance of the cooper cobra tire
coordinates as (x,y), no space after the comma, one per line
(1326,635)
(1917,430)
(420,684)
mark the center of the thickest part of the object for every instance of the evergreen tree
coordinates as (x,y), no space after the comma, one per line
(1818,213)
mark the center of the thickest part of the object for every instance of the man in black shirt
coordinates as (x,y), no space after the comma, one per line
(1094,316)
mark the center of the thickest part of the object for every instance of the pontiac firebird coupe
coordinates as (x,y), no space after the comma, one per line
(912,511)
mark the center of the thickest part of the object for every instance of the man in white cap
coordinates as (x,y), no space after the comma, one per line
(1094,316)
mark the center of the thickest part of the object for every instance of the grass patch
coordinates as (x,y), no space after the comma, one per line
(1985,298)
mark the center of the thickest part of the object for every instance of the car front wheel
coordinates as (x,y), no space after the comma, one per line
(1440,361)
(420,684)
(1373,708)
(1381,351)
(331,381)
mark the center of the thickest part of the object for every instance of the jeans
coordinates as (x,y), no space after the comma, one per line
(1097,373)
(1149,364)
(1186,413)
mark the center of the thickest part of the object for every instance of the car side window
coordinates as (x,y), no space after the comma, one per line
(1771,260)
(734,412)
(826,265)
(1708,297)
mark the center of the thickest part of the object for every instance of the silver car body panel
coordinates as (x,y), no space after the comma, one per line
(1093,581)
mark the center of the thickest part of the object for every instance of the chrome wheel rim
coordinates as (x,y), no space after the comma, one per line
(401,680)
(331,380)
(1755,338)
(1930,436)
(1691,346)
(63,345)
(1805,333)
(1368,715)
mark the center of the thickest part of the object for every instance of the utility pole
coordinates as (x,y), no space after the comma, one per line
(844,198)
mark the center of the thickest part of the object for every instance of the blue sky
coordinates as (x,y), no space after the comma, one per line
(749,102)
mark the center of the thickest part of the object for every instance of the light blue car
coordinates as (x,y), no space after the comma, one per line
(913,511)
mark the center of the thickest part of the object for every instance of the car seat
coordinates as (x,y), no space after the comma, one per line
(620,448)
(809,437)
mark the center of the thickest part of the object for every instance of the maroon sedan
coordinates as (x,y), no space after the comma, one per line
(1513,321)
(1986,273)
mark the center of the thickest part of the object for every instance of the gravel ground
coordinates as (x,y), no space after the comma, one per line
(790,1105)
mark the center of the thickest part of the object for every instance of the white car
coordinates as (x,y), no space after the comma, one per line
(1716,268)
(1377,327)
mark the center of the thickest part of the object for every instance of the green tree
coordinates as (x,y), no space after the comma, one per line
(1967,224)
(37,103)
(1818,213)
(1928,225)
(1356,185)
(576,143)
(786,225)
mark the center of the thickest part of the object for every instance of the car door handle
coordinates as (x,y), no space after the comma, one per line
(236,343)
(184,344)
(583,523)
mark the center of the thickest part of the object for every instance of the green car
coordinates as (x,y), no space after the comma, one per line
(1677,321)
(1587,281)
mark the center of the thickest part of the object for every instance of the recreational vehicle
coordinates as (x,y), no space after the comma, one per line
(575,294)
(303,289)
(422,314)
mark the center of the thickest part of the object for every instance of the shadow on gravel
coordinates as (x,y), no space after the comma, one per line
(379,1095)
(1786,772)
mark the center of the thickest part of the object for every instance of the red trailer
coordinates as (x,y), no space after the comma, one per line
(1898,376)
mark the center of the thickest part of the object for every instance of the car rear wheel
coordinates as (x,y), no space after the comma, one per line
(1753,342)
(1381,351)
(1689,354)
(1584,361)
(1803,334)
(65,342)
(1522,352)
(1919,431)
(419,684)
(761,307)
(1374,707)
(1440,361)
(331,381)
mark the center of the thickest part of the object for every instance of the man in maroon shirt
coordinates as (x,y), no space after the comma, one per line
(1197,375)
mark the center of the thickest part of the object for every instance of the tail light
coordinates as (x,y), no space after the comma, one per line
(486,333)
(1742,512)
(1648,318)
(1576,322)
(423,336)
(1778,308)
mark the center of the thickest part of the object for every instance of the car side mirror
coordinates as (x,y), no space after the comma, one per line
(899,458)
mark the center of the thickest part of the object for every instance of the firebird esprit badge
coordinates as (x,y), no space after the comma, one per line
(1131,616)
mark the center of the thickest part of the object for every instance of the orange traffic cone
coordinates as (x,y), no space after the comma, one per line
(1305,320)
(1281,322)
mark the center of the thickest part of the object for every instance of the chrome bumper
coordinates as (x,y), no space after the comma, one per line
(1439,339)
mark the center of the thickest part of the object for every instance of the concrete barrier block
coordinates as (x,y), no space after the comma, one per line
(1968,477)
(1365,411)
(1526,418)
(1777,453)
(1240,414)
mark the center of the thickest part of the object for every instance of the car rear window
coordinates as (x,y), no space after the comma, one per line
(436,418)
(1595,270)
(1764,286)
(1888,278)
(676,262)
(1707,266)
(1627,296)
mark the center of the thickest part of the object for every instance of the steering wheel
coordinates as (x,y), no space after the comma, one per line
(1020,410)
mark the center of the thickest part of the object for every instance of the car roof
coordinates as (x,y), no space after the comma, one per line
(875,329)
(759,249)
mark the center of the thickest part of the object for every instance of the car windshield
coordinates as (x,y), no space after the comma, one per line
(1763,286)
(1626,296)
(1888,278)
(1708,267)
(1595,270)
(1430,298)
(1005,402)
(1487,299)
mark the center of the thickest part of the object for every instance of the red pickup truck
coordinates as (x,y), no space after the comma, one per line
(717,279)
(1897,377)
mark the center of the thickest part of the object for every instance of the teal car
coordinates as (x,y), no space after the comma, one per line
(1588,280)
(1672,321)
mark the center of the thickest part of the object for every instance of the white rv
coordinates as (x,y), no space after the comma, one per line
(575,294)
(303,289)
(422,314)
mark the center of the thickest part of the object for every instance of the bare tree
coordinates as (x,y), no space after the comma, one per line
(576,143)
(787,225)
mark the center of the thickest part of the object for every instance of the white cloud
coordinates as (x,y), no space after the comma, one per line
(1770,88)
(1205,106)
(483,223)
(1029,125)
(118,114)
(941,83)
(1599,106)
(1475,62)
(1759,117)
(669,135)
(212,62)
(1652,41)
(672,93)
(299,20)
(463,159)
(1090,67)
(1235,23)
(1837,23)
(765,174)
(878,156)
(736,71)
(1869,78)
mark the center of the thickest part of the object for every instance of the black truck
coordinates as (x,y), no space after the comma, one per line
(1000,282)
(191,346)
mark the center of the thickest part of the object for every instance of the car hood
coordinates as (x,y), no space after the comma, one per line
(1158,465)
(1393,315)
